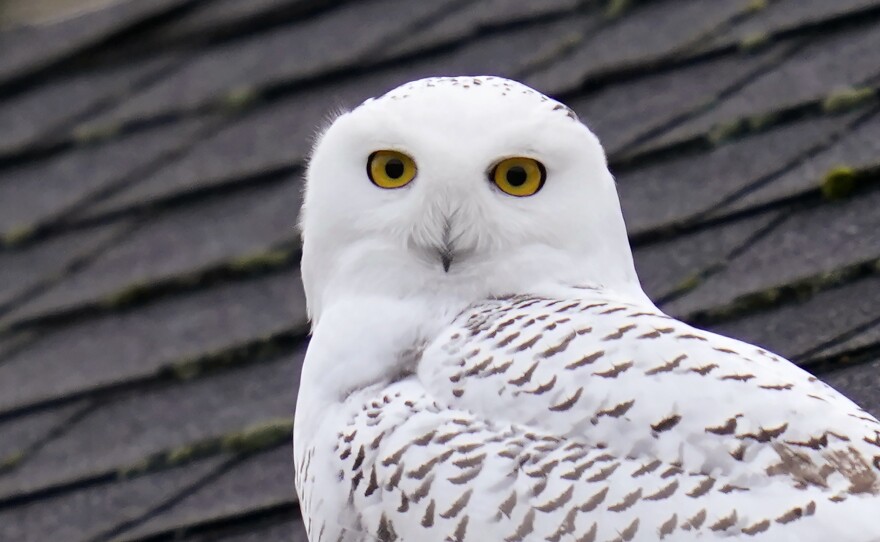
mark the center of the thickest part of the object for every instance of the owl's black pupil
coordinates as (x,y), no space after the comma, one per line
(394,168)
(516,176)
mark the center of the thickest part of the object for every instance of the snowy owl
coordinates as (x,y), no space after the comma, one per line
(485,366)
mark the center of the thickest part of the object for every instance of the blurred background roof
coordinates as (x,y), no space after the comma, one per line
(151,317)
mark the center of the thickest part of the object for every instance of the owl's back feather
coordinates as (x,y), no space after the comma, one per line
(574,416)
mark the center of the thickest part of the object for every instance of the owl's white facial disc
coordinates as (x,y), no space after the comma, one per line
(452,232)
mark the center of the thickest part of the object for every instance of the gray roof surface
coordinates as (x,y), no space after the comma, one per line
(152,323)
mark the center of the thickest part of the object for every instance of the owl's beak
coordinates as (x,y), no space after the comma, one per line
(447,250)
(446,259)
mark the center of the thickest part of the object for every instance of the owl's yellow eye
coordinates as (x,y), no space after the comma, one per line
(390,169)
(519,176)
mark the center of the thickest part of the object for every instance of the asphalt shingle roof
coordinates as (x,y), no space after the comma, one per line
(152,322)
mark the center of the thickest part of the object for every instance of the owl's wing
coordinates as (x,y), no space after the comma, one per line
(699,426)
(646,385)
(588,419)
(416,470)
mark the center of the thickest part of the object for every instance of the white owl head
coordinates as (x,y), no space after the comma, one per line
(460,188)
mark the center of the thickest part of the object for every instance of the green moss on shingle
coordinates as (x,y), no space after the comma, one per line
(767,297)
(191,452)
(847,99)
(261,348)
(761,122)
(260,436)
(17,235)
(754,42)
(186,370)
(181,455)
(797,291)
(756,5)
(688,284)
(249,440)
(135,469)
(839,183)
(270,259)
(723,132)
(745,304)
(568,41)
(616,8)
(172,458)
(11,461)
(728,130)
(94,133)
(239,98)
(125,296)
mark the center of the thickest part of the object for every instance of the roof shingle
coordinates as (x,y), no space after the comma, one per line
(152,321)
